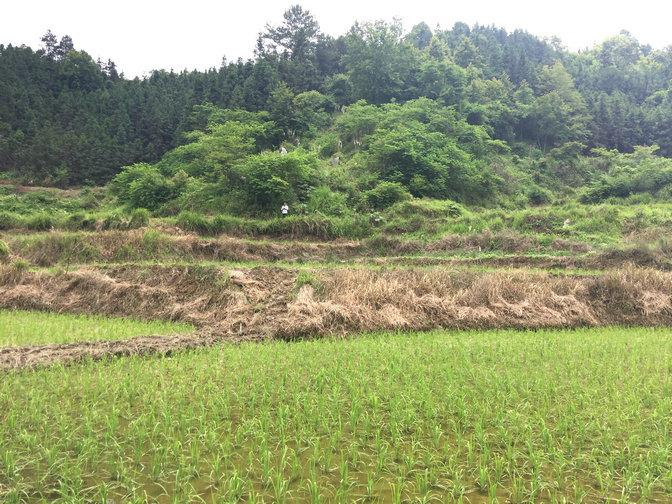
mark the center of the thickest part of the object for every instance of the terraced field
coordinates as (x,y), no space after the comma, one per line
(158,365)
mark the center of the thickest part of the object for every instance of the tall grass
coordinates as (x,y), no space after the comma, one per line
(301,226)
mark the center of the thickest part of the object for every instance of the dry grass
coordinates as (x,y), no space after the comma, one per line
(355,301)
(62,248)
(264,302)
(48,249)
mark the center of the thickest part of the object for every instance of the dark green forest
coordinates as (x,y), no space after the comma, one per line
(377,115)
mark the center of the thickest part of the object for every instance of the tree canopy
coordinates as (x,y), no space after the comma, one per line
(430,110)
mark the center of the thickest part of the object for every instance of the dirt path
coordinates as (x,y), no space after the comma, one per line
(36,356)
(32,357)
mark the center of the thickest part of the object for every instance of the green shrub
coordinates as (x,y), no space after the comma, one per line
(265,181)
(114,220)
(325,201)
(143,186)
(40,222)
(9,221)
(88,199)
(386,194)
(139,218)
(539,196)
(327,144)
(191,221)
(633,173)
(20,265)
(80,221)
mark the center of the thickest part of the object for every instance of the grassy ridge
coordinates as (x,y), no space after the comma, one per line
(418,219)
(22,328)
(578,416)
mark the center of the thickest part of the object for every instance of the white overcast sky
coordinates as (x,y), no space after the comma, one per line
(141,35)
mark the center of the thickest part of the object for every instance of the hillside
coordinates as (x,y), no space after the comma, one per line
(468,298)
(375,116)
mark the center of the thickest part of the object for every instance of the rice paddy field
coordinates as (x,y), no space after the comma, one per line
(475,416)
(22,328)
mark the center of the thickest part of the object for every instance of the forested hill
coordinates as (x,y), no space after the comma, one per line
(66,119)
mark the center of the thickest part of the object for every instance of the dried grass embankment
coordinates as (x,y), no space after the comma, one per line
(265,303)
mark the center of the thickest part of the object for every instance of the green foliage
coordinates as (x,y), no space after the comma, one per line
(539,196)
(265,181)
(139,218)
(144,186)
(422,145)
(4,251)
(191,221)
(80,221)
(39,222)
(427,208)
(327,144)
(378,64)
(474,115)
(386,194)
(20,265)
(630,174)
(310,112)
(230,137)
(8,221)
(90,120)
(560,114)
(327,202)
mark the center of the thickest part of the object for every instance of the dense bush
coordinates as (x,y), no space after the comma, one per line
(640,172)
(386,194)
(80,221)
(327,202)
(40,222)
(8,221)
(139,218)
(265,181)
(143,186)
(539,196)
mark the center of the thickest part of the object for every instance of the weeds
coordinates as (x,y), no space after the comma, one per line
(4,251)
(308,278)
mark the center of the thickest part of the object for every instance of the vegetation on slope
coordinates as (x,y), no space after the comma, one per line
(460,113)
